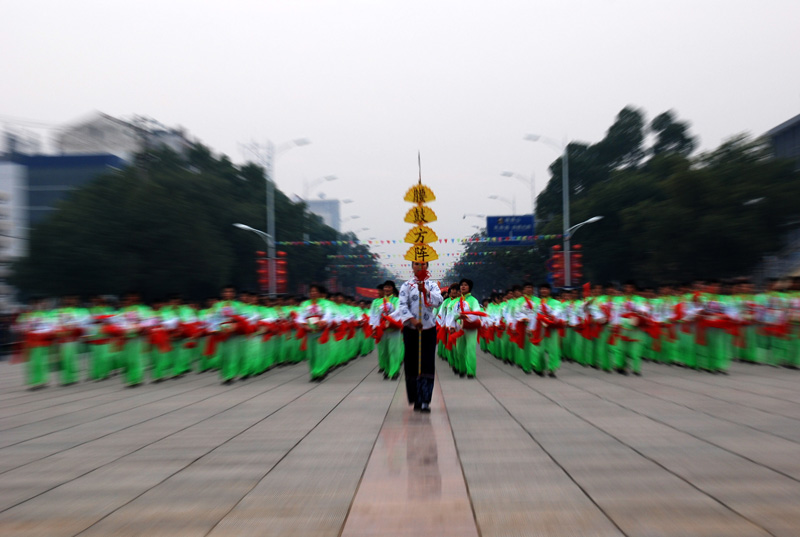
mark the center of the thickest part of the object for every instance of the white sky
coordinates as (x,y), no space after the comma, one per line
(372,82)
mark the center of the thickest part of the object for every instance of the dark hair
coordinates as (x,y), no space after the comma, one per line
(319,287)
(467,281)
(390,283)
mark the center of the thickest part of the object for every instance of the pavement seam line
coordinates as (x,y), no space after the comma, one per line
(460,464)
(547,452)
(364,470)
(248,383)
(283,457)
(793,441)
(130,396)
(636,450)
(135,450)
(207,452)
(709,442)
(701,381)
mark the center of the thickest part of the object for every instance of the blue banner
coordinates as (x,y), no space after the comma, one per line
(510,226)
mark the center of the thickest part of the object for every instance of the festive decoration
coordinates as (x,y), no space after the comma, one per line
(420,236)
(528,238)
(419,193)
(421,253)
(420,215)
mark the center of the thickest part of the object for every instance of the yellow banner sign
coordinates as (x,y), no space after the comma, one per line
(421,253)
(419,194)
(420,215)
(421,235)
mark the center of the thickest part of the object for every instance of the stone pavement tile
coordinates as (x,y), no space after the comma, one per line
(140,474)
(310,490)
(413,484)
(656,517)
(523,492)
(545,521)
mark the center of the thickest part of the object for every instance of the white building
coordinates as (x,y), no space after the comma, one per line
(328,210)
(13,224)
(100,133)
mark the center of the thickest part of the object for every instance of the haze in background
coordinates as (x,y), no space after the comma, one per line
(373,82)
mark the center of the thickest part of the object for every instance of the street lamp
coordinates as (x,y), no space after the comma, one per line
(474,215)
(564,149)
(571,231)
(266,155)
(510,202)
(258,232)
(531,184)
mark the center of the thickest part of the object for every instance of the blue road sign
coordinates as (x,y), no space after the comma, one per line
(510,226)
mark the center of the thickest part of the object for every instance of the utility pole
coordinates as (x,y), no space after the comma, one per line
(264,155)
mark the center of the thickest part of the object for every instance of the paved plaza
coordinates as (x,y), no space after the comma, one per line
(673,453)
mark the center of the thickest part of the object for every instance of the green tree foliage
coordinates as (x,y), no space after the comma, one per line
(164,226)
(667,216)
(593,164)
(494,268)
(672,136)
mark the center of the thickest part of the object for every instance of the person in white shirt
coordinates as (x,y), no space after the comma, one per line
(419,297)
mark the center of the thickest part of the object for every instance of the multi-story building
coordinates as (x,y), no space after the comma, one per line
(786,140)
(328,210)
(13,223)
(100,133)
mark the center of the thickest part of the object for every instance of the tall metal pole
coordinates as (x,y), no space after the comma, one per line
(533,194)
(565,201)
(269,163)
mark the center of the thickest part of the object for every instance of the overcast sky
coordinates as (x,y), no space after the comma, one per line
(372,82)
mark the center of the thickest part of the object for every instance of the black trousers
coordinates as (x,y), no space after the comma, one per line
(411,364)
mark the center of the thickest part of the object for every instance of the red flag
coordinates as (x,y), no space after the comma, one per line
(367,292)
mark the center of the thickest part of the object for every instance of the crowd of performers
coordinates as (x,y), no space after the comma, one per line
(703,325)
(236,336)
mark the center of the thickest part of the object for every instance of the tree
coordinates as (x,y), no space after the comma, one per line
(667,217)
(164,226)
(671,136)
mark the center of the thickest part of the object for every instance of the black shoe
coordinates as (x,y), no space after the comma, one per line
(552,374)
(395,376)
(470,376)
(637,373)
(417,407)
(425,407)
(462,375)
(227,382)
(527,372)
(622,371)
(385,376)
(540,373)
